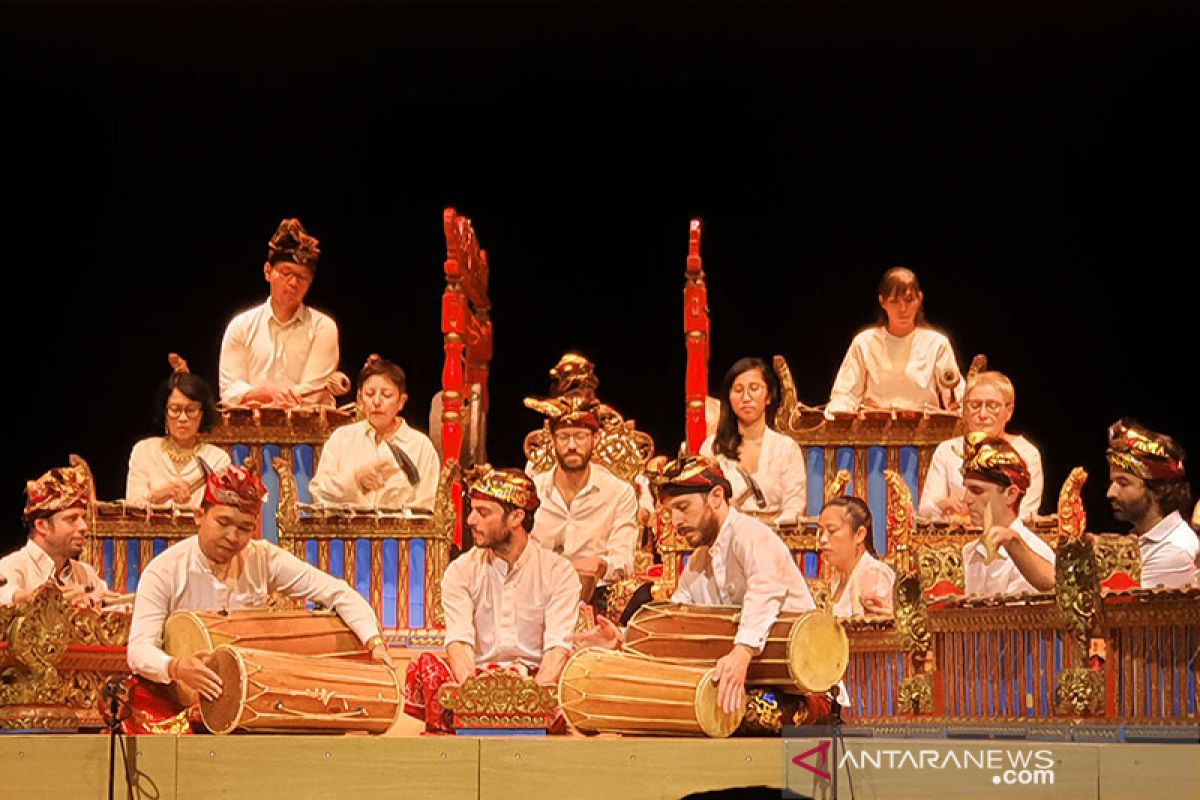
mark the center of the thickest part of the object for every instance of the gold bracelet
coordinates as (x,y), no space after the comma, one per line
(373,642)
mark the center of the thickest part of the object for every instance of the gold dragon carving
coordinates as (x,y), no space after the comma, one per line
(1080,690)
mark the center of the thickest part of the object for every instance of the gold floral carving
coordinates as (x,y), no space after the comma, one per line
(916,694)
(1118,554)
(1080,693)
(499,699)
(940,564)
(620,447)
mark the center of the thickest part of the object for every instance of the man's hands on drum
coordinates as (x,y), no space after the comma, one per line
(380,653)
(730,676)
(195,673)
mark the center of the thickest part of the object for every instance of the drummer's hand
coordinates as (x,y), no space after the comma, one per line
(951,507)
(730,675)
(605,634)
(195,674)
(380,653)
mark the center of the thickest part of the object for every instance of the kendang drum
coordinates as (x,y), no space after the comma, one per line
(263,691)
(309,633)
(807,650)
(604,691)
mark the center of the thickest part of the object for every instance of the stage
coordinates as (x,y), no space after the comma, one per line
(401,764)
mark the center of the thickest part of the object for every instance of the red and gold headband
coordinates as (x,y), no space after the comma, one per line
(571,411)
(57,490)
(1139,453)
(994,459)
(237,487)
(293,244)
(502,485)
(685,475)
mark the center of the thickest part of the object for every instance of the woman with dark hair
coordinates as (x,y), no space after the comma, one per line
(900,362)
(167,469)
(765,468)
(861,584)
(380,461)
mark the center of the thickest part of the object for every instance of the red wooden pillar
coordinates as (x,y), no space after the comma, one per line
(696,331)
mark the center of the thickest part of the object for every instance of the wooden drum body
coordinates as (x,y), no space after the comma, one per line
(265,691)
(808,650)
(603,691)
(309,633)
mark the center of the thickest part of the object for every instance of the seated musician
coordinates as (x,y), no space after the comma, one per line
(166,469)
(587,514)
(381,461)
(508,604)
(764,468)
(900,362)
(223,567)
(1148,488)
(56,517)
(987,409)
(862,584)
(1008,558)
(737,561)
(282,352)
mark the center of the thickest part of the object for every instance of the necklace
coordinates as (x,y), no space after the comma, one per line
(180,456)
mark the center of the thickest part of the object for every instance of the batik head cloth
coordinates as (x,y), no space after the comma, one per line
(292,243)
(236,487)
(510,486)
(57,490)
(685,475)
(994,460)
(1141,452)
(571,411)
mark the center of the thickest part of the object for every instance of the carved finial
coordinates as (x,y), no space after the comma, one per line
(901,524)
(287,513)
(839,484)
(1072,517)
(978,364)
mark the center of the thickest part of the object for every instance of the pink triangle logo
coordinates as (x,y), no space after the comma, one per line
(822,760)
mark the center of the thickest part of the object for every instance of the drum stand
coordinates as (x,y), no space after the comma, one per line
(113,695)
(838,743)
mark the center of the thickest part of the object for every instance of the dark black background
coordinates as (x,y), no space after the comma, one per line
(1035,162)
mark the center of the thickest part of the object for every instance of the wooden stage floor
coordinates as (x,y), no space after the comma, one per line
(542,768)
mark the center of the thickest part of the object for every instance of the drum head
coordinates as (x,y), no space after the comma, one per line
(818,652)
(223,714)
(713,720)
(184,634)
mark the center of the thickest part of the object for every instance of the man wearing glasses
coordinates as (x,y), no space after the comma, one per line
(988,407)
(282,352)
(587,514)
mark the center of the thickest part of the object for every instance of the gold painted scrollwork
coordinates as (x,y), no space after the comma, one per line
(916,694)
(1080,693)
(620,447)
(1118,554)
(498,693)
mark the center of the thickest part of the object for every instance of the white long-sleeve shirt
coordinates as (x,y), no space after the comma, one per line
(181,579)
(510,616)
(748,566)
(357,445)
(1002,575)
(945,478)
(31,566)
(258,349)
(884,371)
(1169,554)
(601,520)
(781,475)
(869,578)
(150,468)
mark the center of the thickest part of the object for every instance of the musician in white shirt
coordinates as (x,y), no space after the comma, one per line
(166,469)
(56,517)
(282,352)
(862,584)
(508,603)
(738,561)
(764,468)
(1148,488)
(224,567)
(1008,558)
(900,362)
(987,409)
(378,462)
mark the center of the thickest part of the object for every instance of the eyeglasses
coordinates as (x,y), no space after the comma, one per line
(288,275)
(993,406)
(191,412)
